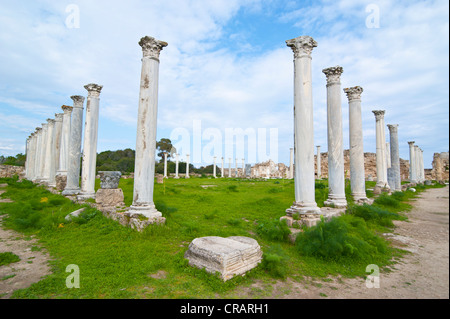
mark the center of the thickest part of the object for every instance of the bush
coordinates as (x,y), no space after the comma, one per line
(387,201)
(342,238)
(375,214)
(274,230)
(274,261)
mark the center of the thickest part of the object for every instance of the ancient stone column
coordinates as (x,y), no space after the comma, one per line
(89,159)
(243,167)
(29,156)
(318,163)
(336,173)
(356,149)
(422,168)
(395,158)
(74,159)
(412,163)
(235,168)
(187,166)
(303,127)
(65,137)
(37,155)
(55,149)
(417,166)
(144,171)
(49,163)
(221,173)
(176,165)
(229,167)
(380,153)
(165,165)
(42,152)
(291,163)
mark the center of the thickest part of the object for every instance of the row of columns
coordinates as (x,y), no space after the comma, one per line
(54,150)
(416,167)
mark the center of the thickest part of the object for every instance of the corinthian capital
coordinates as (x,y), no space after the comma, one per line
(78,101)
(67,108)
(393,128)
(93,89)
(379,114)
(353,93)
(333,74)
(302,46)
(411,143)
(151,47)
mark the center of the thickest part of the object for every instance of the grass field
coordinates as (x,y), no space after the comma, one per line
(118,262)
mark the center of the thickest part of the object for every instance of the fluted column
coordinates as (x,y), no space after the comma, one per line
(165,165)
(29,157)
(380,153)
(187,166)
(412,163)
(65,138)
(89,159)
(291,163)
(422,168)
(37,159)
(357,172)
(144,171)
(42,152)
(49,164)
(74,159)
(221,172)
(336,173)
(319,163)
(177,160)
(395,178)
(303,127)
(417,163)
(55,149)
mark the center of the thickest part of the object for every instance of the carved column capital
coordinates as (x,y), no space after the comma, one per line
(59,117)
(333,74)
(379,114)
(67,108)
(78,101)
(151,47)
(93,89)
(302,46)
(393,128)
(353,93)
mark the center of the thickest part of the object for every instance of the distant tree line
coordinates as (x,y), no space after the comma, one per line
(18,160)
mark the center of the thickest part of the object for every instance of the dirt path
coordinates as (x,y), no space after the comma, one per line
(423,274)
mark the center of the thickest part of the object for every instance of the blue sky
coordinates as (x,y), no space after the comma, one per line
(227,66)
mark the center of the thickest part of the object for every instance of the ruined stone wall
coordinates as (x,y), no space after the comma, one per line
(440,166)
(10,171)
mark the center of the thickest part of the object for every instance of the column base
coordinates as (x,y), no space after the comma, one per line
(336,202)
(84,196)
(187,177)
(70,192)
(361,198)
(303,209)
(148,211)
(381,188)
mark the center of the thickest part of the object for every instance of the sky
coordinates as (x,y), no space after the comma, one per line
(226,70)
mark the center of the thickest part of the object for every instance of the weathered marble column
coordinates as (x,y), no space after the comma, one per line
(319,163)
(55,149)
(37,160)
(304,180)
(144,171)
(417,163)
(229,167)
(74,159)
(65,137)
(89,159)
(291,163)
(221,172)
(42,152)
(382,183)
(336,173)
(177,161)
(422,168)
(29,157)
(243,168)
(395,181)
(187,166)
(235,168)
(356,149)
(412,163)
(49,163)
(214,167)
(165,165)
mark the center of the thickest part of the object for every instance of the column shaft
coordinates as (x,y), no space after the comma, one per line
(395,158)
(65,138)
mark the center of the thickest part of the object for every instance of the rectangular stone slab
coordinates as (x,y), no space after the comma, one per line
(230,256)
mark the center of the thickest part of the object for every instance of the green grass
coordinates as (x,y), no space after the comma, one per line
(8,258)
(116,261)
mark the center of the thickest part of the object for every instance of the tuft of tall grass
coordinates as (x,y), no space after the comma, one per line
(273,230)
(343,238)
(374,214)
(274,261)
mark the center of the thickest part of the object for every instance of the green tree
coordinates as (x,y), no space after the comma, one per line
(164,145)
